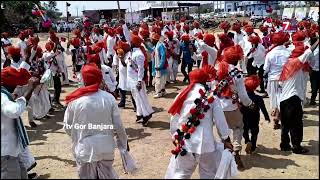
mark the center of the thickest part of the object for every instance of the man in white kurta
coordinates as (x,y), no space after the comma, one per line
(137,85)
(202,148)
(91,120)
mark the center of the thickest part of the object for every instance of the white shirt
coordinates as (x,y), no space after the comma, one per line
(238,39)
(295,85)
(135,68)
(10,111)
(195,31)
(122,70)
(212,52)
(22,45)
(108,77)
(88,144)
(202,140)
(314,61)
(259,56)
(239,88)
(274,62)
(6,41)
(111,41)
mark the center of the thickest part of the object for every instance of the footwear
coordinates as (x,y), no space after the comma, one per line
(32,176)
(33,124)
(121,105)
(239,162)
(286,148)
(300,150)
(139,119)
(146,120)
(312,103)
(276,126)
(163,93)
(249,148)
(158,95)
(264,95)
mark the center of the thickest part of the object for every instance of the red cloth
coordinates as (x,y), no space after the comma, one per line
(225,42)
(156,29)
(22,35)
(209,39)
(119,30)
(100,44)
(199,35)
(222,73)
(233,54)
(299,36)
(93,58)
(75,42)
(279,38)
(196,76)
(225,25)
(155,36)
(263,28)
(12,77)
(49,46)
(196,24)
(185,38)
(236,27)
(186,27)
(205,57)
(144,26)
(178,26)
(145,33)
(248,29)
(77,32)
(252,82)
(169,34)
(123,45)
(14,51)
(111,32)
(254,39)
(136,40)
(92,78)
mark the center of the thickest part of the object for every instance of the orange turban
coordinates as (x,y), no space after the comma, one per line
(263,28)
(209,39)
(14,51)
(144,26)
(196,24)
(252,82)
(185,38)
(123,45)
(12,77)
(236,27)
(249,29)
(136,40)
(92,78)
(233,54)
(155,36)
(169,34)
(120,52)
(254,39)
(145,33)
(93,58)
(279,38)
(119,30)
(49,46)
(225,25)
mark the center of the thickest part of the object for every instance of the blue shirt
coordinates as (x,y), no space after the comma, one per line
(186,54)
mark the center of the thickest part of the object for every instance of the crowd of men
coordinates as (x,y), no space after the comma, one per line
(221,72)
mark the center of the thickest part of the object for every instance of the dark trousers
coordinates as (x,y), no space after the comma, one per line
(251,69)
(198,63)
(150,74)
(251,125)
(123,98)
(57,88)
(291,114)
(260,74)
(183,70)
(315,84)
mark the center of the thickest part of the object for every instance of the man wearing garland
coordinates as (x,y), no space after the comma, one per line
(194,112)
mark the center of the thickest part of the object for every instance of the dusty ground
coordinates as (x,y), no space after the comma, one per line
(151,145)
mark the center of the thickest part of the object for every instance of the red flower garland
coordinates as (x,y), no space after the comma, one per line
(186,129)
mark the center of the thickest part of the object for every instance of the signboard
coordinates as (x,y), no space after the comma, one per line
(290,25)
(287,13)
(314,13)
(300,13)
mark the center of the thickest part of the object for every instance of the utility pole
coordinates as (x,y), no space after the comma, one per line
(131,13)
(119,12)
(77,11)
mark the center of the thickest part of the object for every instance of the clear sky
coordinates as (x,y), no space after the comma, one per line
(92,5)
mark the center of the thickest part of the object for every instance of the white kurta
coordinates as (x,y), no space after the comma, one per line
(212,52)
(22,45)
(135,73)
(111,41)
(259,56)
(108,77)
(122,71)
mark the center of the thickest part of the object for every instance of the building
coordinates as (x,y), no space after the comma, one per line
(107,14)
(252,6)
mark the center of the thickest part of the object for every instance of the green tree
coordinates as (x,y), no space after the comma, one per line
(51,10)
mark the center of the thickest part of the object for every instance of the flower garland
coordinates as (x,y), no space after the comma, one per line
(226,82)
(196,115)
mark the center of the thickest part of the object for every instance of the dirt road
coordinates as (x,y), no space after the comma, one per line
(151,145)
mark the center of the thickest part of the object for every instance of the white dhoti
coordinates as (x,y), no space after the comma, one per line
(274,94)
(170,76)
(175,68)
(97,170)
(39,103)
(160,82)
(27,159)
(143,106)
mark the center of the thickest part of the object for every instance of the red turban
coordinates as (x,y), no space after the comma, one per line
(233,54)
(186,27)
(196,76)
(92,78)
(123,45)
(276,22)
(182,19)
(199,35)
(39,52)
(135,32)
(95,29)
(225,42)
(249,29)
(14,51)
(77,32)
(111,32)
(173,22)
(185,38)
(299,36)
(209,39)
(169,34)
(254,39)
(93,58)
(145,33)
(12,77)
(155,36)
(225,25)
(168,23)
(144,26)
(33,41)
(161,24)
(119,30)
(75,42)
(236,27)
(263,28)
(178,26)
(96,49)
(252,82)
(196,24)
(279,38)
(244,23)
(100,44)
(22,35)
(49,46)
(136,40)
(156,29)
